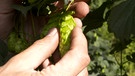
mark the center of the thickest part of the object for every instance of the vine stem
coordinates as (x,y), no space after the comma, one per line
(33,25)
(120,63)
(69,4)
(22,27)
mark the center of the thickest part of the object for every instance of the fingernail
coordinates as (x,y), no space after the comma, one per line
(52,32)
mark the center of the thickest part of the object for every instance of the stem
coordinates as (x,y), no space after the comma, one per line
(22,27)
(33,25)
(69,4)
(116,59)
(121,62)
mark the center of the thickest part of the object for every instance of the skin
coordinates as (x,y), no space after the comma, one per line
(77,7)
(25,63)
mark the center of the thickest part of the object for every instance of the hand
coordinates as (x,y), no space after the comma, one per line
(73,63)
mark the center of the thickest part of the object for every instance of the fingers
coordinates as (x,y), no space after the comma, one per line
(78,22)
(77,7)
(76,59)
(46,63)
(56,55)
(37,53)
(79,11)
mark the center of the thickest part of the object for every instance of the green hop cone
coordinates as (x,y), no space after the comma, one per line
(15,43)
(66,26)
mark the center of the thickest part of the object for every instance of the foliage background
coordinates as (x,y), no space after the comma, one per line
(109,28)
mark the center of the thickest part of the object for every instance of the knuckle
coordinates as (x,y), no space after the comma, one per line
(83,56)
(43,41)
(85,59)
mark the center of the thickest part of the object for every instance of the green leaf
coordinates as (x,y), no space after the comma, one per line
(94,19)
(122,20)
(52,23)
(96,4)
(129,58)
(32,1)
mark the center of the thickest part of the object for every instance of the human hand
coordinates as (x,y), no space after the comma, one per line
(73,63)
